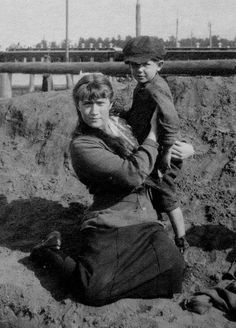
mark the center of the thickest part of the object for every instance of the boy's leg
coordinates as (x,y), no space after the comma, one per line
(165,199)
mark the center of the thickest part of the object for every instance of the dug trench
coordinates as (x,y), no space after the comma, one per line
(39,193)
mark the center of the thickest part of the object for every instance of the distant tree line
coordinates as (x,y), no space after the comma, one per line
(119,42)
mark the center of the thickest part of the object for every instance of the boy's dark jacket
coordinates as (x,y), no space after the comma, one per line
(147,97)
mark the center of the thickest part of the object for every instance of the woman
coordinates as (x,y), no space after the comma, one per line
(125,252)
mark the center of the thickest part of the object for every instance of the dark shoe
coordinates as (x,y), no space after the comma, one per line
(52,241)
(231,274)
(199,304)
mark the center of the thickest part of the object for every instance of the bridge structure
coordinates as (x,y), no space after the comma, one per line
(59,55)
(110,54)
(200,53)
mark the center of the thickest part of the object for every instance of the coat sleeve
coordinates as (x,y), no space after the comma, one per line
(167,114)
(92,158)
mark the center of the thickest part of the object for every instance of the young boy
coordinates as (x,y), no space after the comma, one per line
(145,55)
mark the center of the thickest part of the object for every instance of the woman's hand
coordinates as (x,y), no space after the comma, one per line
(165,160)
(181,150)
(153,131)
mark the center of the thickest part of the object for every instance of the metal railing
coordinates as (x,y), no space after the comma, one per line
(190,68)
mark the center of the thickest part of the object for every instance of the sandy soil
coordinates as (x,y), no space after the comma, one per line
(39,192)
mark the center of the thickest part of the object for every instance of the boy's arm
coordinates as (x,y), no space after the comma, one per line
(168,116)
(168,120)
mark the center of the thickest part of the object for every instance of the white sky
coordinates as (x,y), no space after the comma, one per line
(29,21)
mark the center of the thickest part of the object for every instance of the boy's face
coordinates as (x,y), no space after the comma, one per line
(145,72)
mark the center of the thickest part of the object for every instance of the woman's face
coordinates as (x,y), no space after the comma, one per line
(95,113)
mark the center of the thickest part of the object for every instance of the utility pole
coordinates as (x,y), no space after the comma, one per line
(138,18)
(69,78)
(67,41)
(210,38)
(191,39)
(177,32)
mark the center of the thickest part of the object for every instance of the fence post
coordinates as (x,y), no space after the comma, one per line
(31,80)
(69,81)
(5,86)
(31,83)
(10,78)
(47,84)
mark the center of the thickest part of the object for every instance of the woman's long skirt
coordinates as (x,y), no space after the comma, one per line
(138,261)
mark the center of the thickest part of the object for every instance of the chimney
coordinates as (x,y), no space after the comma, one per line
(138,18)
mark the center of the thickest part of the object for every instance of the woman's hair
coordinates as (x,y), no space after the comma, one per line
(92,87)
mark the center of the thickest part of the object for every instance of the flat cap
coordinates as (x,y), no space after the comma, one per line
(143,48)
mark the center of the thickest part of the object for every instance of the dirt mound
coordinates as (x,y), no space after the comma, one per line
(39,192)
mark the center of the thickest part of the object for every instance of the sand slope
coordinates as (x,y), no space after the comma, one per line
(39,192)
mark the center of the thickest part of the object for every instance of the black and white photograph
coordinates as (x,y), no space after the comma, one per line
(118,164)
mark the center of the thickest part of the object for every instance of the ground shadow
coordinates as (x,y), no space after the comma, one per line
(50,281)
(24,222)
(212,237)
